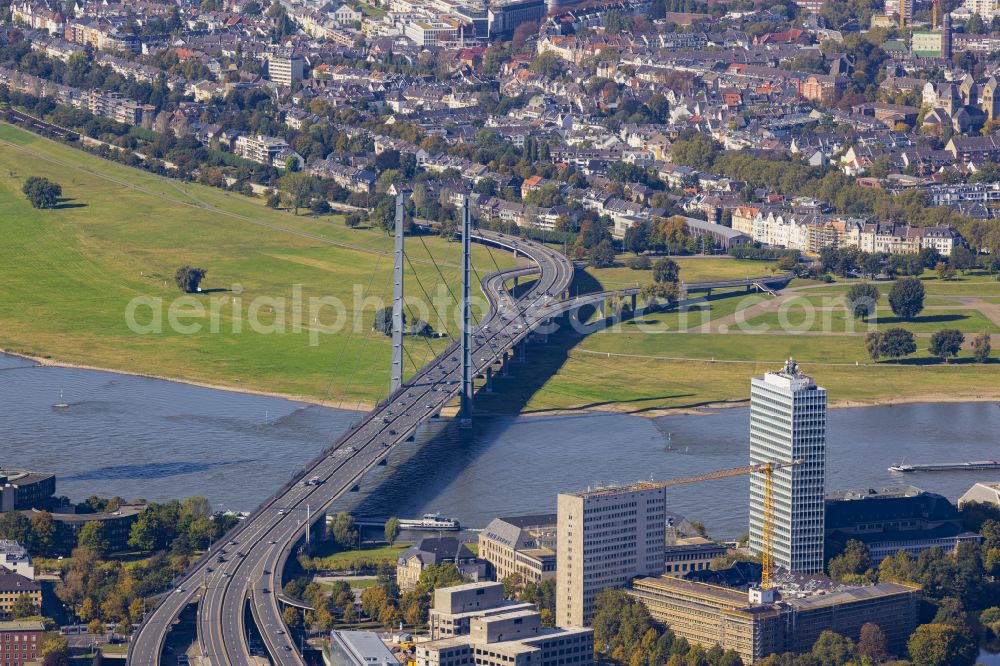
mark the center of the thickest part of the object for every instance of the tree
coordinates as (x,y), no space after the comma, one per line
(832,649)
(981,347)
(906,298)
(95,626)
(343,531)
(666,271)
(292,617)
(15,526)
(893,343)
(603,255)
(873,344)
(946,343)
(291,164)
(93,538)
(862,300)
(445,574)
(391,529)
(637,238)
(962,258)
(872,644)
(23,607)
(941,645)
(53,643)
(854,561)
(299,187)
(43,534)
(56,659)
(188,278)
(372,600)
(41,192)
(383,321)
(945,272)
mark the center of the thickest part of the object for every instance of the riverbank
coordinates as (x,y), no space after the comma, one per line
(357,405)
(289,300)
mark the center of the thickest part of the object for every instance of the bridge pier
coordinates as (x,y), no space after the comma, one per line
(634,301)
(517,281)
(505,365)
(488,386)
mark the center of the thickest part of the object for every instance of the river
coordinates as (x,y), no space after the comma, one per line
(154,439)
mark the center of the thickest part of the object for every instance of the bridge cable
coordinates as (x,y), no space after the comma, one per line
(350,333)
(364,347)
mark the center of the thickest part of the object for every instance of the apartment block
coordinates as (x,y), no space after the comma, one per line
(284,67)
(605,538)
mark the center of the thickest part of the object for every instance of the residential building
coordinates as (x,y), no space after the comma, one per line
(435,550)
(20,490)
(787,424)
(13,586)
(15,557)
(713,613)
(21,642)
(265,150)
(523,546)
(987,9)
(605,538)
(496,632)
(284,67)
(359,648)
(889,520)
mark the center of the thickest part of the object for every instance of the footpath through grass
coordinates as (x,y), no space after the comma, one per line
(70,274)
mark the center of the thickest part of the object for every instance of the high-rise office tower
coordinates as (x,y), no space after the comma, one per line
(788,423)
(605,538)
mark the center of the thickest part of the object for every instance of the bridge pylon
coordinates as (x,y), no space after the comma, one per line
(396,379)
(465,404)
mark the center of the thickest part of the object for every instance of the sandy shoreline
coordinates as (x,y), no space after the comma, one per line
(365,405)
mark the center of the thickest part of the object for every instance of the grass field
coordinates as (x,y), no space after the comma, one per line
(693,269)
(70,274)
(680,360)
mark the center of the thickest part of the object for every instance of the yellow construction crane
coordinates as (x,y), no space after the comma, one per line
(767,469)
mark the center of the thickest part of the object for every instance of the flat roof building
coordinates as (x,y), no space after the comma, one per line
(499,633)
(605,538)
(787,424)
(15,557)
(359,648)
(457,606)
(21,490)
(710,614)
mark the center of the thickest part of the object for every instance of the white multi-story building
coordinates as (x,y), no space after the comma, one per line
(987,9)
(284,67)
(788,423)
(14,556)
(605,538)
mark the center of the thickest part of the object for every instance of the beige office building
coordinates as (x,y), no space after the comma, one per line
(605,538)
(474,624)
